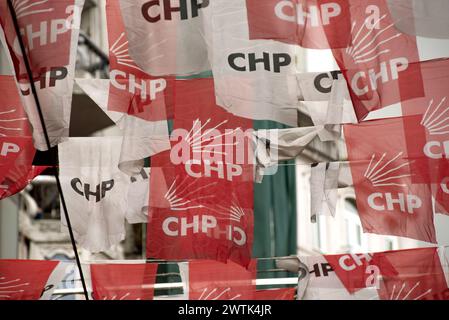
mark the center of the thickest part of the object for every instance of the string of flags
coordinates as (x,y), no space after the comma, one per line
(196,195)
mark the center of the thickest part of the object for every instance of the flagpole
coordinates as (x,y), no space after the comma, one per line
(47,140)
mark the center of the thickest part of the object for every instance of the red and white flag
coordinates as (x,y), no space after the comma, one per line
(379,61)
(16,144)
(29,279)
(389,200)
(123,281)
(166,37)
(212,280)
(137,102)
(50,30)
(316,24)
(202,189)
(414,274)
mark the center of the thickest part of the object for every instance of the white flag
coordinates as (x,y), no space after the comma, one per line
(95,191)
(166,37)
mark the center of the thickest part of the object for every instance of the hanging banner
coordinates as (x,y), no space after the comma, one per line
(95,191)
(16,144)
(29,279)
(414,274)
(123,281)
(315,24)
(380,61)
(255,79)
(212,280)
(132,91)
(166,37)
(202,189)
(432,117)
(418,275)
(388,200)
(50,30)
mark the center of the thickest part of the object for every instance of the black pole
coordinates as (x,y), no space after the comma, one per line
(47,140)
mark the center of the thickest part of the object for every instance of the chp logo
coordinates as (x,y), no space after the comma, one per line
(215,221)
(215,151)
(311,24)
(355,271)
(132,90)
(390,173)
(372,47)
(127,76)
(46,27)
(248,62)
(379,60)
(157,10)
(314,15)
(436,122)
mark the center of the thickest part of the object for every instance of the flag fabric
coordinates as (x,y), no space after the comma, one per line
(389,200)
(324,183)
(16,143)
(50,35)
(133,91)
(115,281)
(95,191)
(138,197)
(431,111)
(213,280)
(325,284)
(202,189)
(275,294)
(413,274)
(255,79)
(420,17)
(380,60)
(166,37)
(315,24)
(141,138)
(29,279)
(137,102)
(417,275)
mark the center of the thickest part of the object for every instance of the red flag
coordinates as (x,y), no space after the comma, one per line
(275,294)
(211,280)
(202,190)
(358,271)
(317,24)
(16,144)
(380,61)
(389,201)
(432,111)
(418,275)
(25,279)
(46,32)
(397,275)
(123,281)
